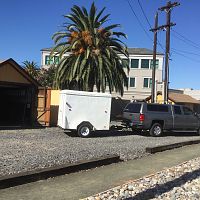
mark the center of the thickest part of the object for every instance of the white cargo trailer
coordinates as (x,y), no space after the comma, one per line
(84,111)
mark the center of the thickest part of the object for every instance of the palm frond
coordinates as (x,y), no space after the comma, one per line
(98,16)
(93,50)
(111,27)
(104,19)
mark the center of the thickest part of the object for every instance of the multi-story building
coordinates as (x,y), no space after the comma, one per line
(140,75)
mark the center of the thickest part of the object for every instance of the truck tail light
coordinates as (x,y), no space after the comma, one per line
(141,117)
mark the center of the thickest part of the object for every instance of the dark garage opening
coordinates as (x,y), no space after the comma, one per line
(15,105)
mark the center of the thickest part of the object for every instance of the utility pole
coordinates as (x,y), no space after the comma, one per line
(168,25)
(154,59)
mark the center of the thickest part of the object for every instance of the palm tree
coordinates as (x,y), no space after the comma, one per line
(93,52)
(31,68)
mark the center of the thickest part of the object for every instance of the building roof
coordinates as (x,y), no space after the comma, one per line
(182,98)
(178,98)
(46,49)
(142,51)
(136,51)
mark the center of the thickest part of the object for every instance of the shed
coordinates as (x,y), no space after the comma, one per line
(178,98)
(18,92)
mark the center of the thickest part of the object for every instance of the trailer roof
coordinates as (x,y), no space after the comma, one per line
(83,93)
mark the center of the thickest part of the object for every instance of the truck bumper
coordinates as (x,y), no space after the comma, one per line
(137,126)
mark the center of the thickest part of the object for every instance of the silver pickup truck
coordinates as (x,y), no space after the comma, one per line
(160,117)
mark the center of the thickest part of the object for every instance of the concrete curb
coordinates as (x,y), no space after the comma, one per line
(41,174)
(170,146)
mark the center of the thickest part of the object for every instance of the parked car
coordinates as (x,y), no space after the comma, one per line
(160,117)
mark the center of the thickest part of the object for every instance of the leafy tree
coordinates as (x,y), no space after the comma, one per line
(93,50)
(32,68)
(46,76)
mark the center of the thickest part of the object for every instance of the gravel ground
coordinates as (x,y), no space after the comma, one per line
(176,183)
(25,150)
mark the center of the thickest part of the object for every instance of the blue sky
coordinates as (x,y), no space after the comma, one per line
(27,27)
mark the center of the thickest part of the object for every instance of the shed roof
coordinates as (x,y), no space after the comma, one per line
(20,70)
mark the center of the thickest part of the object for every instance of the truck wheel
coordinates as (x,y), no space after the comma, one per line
(156,130)
(84,129)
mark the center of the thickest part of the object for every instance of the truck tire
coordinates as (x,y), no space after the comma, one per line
(84,129)
(156,130)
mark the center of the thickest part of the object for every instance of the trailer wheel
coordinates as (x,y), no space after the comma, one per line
(84,129)
(156,130)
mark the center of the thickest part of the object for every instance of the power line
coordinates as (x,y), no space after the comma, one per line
(187,52)
(144,14)
(141,7)
(185,38)
(180,36)
(186,41)
(161,45)
(167,8)
(140,23)
(185,56)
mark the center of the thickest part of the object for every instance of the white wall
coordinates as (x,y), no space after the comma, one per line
(138,92)
(43,55)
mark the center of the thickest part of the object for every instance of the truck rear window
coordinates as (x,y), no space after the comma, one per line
(133,108)
(157,108)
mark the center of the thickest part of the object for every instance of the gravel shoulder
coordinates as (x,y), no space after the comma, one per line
(29,149)
(178,182)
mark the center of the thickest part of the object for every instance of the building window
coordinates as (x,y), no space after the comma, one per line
(51,60)
(150,82)
(147,83)
(56,60)
(145,63)
(157,64)
(132,82)
(134,63)
(125,63)
(48,60)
